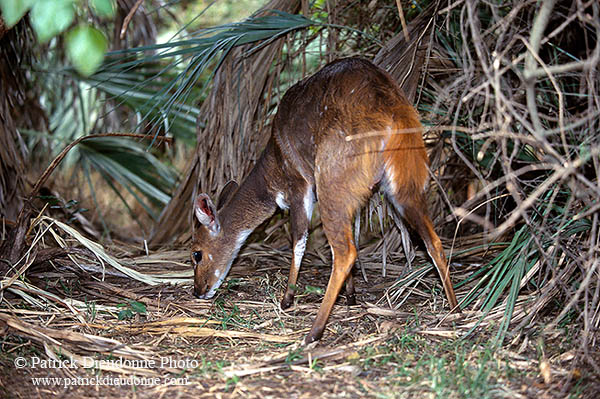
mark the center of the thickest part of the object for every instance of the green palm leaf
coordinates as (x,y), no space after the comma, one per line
(164,81)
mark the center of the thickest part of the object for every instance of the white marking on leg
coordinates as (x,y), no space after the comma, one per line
(309,200)
(280,200)
(299,249)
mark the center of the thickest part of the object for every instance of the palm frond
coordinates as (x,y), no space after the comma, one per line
(131,166)
(164,81)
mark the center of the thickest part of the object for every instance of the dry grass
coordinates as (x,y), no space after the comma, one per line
(242,344)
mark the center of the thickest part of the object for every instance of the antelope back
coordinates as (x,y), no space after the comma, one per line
(356,113)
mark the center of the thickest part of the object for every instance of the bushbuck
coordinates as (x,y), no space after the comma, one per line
(336,135)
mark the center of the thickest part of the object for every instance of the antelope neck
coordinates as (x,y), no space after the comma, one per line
(250,205)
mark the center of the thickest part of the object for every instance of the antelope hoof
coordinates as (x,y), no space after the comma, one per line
(287,301)
(310,341)
(350,300)
(313,337)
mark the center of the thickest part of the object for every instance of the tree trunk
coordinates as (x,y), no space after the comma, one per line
(13,47)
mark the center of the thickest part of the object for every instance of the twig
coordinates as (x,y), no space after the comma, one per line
(537,31)
(128,18)
(403,21)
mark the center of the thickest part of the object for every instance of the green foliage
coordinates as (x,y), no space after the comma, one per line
(456,368)
(138,88)
(231,383)
(86,45)
(103,8)
(309,289)
(51,17)
(130,165)
(536,242)
(122,163)
(230,317)
(293,355)
(91,310)
(14,10)
(209,367)
(130,309)
(211,13)
(191,62)
(316,365)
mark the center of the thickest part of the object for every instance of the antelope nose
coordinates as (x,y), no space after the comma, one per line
(197,295)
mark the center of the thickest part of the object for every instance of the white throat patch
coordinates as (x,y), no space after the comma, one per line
(241,238)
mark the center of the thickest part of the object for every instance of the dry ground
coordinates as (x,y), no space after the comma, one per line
(242,344)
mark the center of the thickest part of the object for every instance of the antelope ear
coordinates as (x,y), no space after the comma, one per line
(206,213)
(226,192)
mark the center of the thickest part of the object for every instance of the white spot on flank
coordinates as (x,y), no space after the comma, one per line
(280,200)
(299,249)
(391,179)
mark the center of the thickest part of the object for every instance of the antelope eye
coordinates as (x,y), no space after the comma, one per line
(197,256)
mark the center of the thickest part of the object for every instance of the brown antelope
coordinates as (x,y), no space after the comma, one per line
(310,156)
